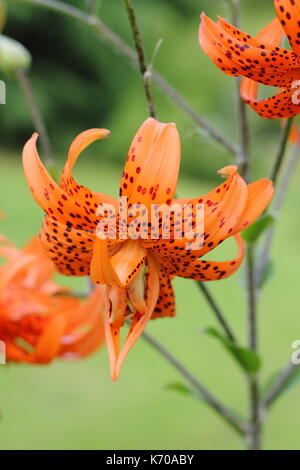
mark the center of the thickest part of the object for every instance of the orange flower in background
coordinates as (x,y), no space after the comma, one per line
(38,320)
(137,272)
(273,34)
(259,59)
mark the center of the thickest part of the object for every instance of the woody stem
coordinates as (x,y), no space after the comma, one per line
(120,46)
(145,72)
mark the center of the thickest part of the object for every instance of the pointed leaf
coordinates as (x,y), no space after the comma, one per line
(246,358)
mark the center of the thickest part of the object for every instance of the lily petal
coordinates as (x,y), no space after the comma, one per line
(272,34)
(260,194)
(202,270)
(151,172)
(236,57)
(288,12)
(165,306)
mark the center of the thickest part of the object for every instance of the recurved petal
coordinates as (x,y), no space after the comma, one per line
(260,194)
(238,57)
(202,270)
(282,105)
(89,199)
(272,34)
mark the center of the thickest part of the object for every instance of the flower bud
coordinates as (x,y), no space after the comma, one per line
(13,55)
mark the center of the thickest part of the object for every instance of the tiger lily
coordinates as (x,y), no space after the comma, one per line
(260,59)
(273,34)
(39,320)
(137,273)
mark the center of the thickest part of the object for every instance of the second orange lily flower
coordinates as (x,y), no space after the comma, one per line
(137,273)
(39,320)
(260,59)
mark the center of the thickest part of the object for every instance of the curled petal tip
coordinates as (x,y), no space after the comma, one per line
(227,171)
(105,133)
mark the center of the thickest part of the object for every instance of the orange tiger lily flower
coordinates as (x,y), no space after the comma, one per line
(137,272)
(35,324)
(259,59)
(273,34)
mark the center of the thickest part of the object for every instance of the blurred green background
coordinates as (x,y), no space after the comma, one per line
(79,82)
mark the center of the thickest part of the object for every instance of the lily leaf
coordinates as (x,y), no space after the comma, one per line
(294,379)
(268,273)
(252,233)
(245,357)
(184,389)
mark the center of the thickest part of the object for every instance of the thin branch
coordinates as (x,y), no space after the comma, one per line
(37,119)
(281,192)
(254,428)
(243,158)
(145,73)
(243,128)
(252,330)
(279,385)
(217,311)
(209,398)
(284,136)
(119,45)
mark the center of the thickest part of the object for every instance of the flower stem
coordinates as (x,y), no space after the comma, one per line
(145,73)
(243,128)
(254,429)
(280,195)
(217,311)
(254,426)
(120,46)
(283,141)
(225,413)
(278,386)
(37,119)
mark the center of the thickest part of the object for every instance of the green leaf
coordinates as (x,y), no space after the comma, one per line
(294,379)
(267,274)
(246,358)
(252,233)
(185,390)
